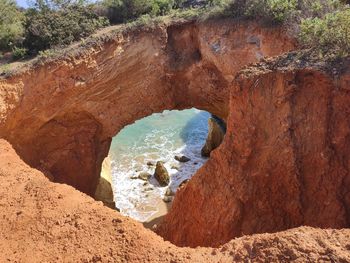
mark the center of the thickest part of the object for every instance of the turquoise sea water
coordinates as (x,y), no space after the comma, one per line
(158,137)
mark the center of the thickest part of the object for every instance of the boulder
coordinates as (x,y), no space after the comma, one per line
(169,192)
(144,176)
(182,159)
(104,191)
(167,199)
(161,174)
(150,163)
(215,136)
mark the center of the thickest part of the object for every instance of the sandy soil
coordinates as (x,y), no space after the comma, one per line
(41,221)
(163,209)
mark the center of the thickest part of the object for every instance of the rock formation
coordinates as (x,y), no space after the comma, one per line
(215,137)
(182,159)
(284,161)
(104,191)
(144,176)
(161,174)
(60,115)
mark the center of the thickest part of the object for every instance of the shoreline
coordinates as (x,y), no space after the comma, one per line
(163,209)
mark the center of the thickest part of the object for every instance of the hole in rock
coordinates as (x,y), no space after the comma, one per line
(137,148)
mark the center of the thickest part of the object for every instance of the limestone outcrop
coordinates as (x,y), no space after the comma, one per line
(104,190)
(161,174)
(216,133)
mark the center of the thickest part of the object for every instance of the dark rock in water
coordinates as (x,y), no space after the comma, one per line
(169,192)
(215,136)
(183,183)
(182,159)
(150,163)
(175,167)
(144,176)
(167,199)
(148,189)
(161,174)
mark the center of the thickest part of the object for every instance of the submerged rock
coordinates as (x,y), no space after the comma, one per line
(167,199)
(144,176)
(169,192)
(175,167)
(215,136)
(150,163)
(148,189)
(161,174)
(182,159)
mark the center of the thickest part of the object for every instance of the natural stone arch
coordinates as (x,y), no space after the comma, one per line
(62,114)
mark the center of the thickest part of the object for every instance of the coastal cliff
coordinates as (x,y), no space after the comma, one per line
(42,221)
(283,162)
(60,115)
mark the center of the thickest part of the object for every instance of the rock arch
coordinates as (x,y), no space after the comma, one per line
(283,163)
(60,115)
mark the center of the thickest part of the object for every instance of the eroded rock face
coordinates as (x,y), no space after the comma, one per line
(61,116)
(284,161)
(104,190)
(215,137)
(47,222)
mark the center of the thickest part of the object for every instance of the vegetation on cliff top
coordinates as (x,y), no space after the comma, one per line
(323,25)
(319,24)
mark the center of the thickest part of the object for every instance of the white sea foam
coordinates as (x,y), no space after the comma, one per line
(156,138)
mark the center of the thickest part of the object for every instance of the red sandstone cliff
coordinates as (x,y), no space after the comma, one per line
(60,116)
(283,163)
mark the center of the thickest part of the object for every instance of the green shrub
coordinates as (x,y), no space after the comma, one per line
(18,53)
(11,28)
(330,34)
(281,11)
(50,28)
(119,11)
(46,53)
(274,10)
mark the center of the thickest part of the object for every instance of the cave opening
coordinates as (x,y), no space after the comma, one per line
(175,140)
